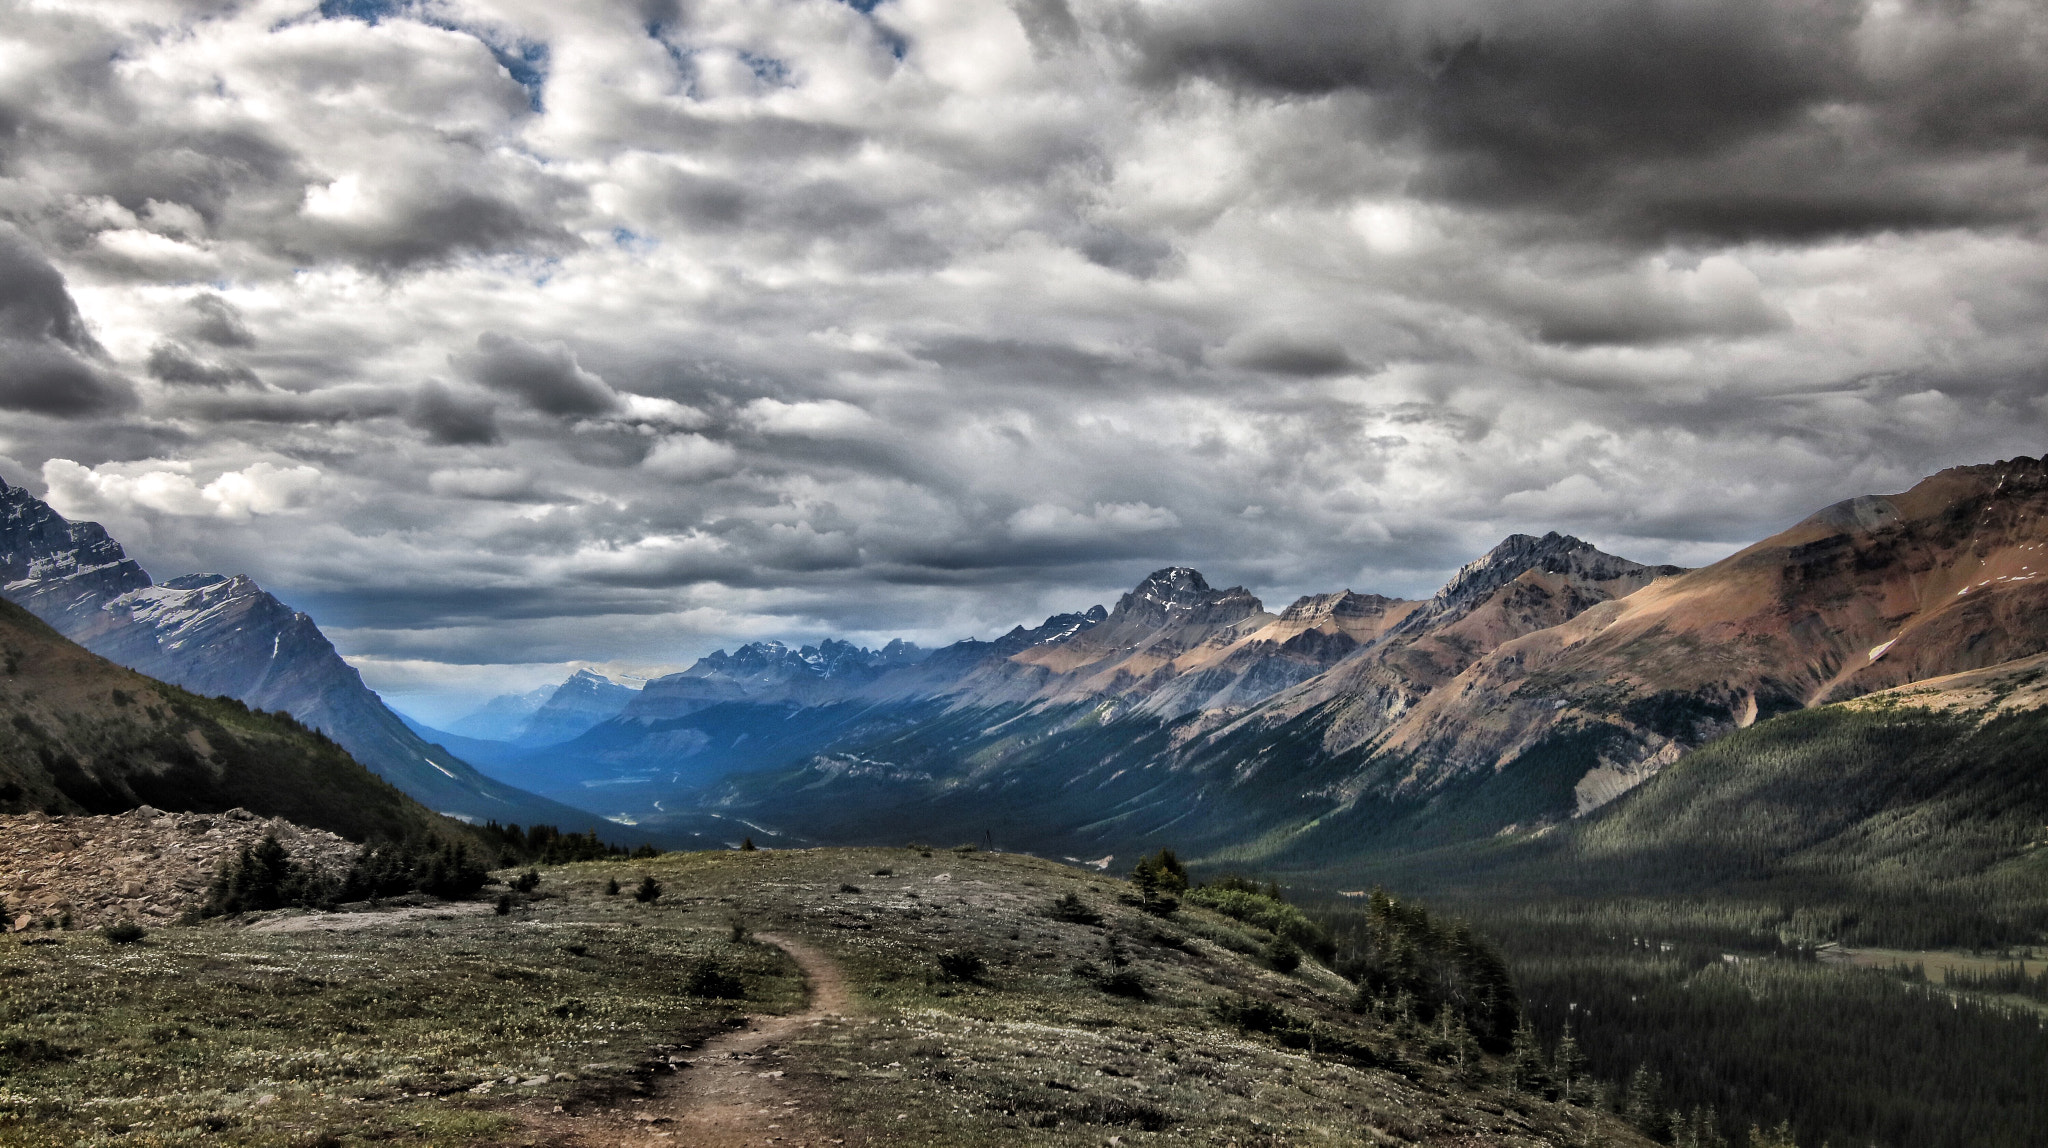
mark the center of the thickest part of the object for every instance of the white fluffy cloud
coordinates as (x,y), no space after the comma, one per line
(497,330)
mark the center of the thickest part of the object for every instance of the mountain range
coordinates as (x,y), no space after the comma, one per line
(223,635)
(1543,682)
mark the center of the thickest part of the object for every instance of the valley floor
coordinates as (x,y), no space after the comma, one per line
(584,1018)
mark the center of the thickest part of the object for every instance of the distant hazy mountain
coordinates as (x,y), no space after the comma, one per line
(217,634)
(573,707)
(504,717)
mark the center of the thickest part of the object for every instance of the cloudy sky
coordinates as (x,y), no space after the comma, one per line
(504,335)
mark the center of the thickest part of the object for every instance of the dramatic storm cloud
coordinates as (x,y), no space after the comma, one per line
(501,335)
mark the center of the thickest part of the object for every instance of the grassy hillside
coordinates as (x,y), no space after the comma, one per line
(976,1011)
(79,734)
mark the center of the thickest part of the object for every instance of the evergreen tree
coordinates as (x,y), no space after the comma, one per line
(1643,1104)
(1779,1137)
(1526,1070)
(1569,1066)
(649,890)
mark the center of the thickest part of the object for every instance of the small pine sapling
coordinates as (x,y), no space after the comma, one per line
(649,890)
(611,887)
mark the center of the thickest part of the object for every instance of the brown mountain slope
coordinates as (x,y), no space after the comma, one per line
(1865,595)
(79,734)
(1522,586)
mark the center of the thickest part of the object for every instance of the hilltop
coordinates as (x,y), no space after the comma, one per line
(583,1017)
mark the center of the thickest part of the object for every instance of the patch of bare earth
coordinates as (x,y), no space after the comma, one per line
(727,1093)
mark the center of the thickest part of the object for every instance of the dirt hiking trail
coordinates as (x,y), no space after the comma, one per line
(728,1093)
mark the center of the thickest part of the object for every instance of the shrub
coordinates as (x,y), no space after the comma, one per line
(962,964)
(263,876)
(1125,983)
(527,882)
(845,888)
(444,869)
(124,933)
(649,890)
(736,930)
(885,871)
(709,980)
(504,904)
(1160,875)
(611,887)
(747,845)
(1284,955)
(1070,908)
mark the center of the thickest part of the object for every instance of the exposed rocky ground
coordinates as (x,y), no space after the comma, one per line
(145,865)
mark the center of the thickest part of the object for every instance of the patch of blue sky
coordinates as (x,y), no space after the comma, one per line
(526,61)
(685,59)
(897,44)
(767,69)
(626,239)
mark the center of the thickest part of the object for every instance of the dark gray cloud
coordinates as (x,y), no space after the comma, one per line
(173,362)
(453,418)
(49,362)
(1662,117)
(546,376)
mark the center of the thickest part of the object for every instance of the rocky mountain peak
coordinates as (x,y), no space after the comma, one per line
(1179,593)
(1518,554)
(62,571)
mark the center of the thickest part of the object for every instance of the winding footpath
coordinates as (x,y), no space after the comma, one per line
(728,1096)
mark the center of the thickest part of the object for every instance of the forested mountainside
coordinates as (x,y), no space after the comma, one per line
(220,635)
(79,734)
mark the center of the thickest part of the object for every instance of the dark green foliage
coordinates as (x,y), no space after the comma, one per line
(747,846)
(1568,1066)
(1252,1014)
(611,887)
(444,869)
(526,882)
(962,964)
(846,888)
(1160,875)
(263,877)
(736,930)
(1397,949)
(18,1052)
(504,904)
(1283,954)
(1526,1069)
(123,933)
(1733,1020)
(1124,983)
(1643,1104)
(708,979)
(649,890)
(1071,908)
(644,851)
(548,845)
(884,872)
(1263,906)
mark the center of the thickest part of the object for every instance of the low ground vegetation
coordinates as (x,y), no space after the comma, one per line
(465,1027)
